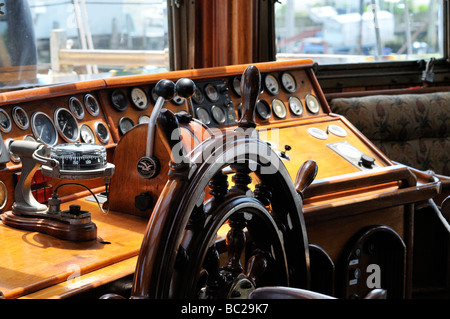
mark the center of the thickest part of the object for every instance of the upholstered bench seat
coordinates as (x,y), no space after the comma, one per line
(412,129)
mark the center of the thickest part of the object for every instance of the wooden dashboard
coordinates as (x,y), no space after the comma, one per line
(356,186)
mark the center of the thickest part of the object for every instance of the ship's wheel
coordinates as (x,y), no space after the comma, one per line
(207,239)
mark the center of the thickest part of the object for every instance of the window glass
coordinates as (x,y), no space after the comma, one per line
(352,31)
(71,39)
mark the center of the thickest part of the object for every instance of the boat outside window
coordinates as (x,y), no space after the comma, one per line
(354,31)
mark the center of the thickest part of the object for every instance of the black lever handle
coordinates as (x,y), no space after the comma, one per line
(250,88)
(169,130)
(185,88)
(165,89)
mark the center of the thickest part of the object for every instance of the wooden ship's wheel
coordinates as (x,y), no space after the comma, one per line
(261,213)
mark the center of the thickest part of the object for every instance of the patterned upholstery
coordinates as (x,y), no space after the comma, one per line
(413,129)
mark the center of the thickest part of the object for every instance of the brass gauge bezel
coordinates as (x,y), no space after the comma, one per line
(18,110)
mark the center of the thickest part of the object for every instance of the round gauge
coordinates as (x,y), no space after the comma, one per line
(203,116)
(5,121)
(288,82)
(91,105)
(279,109)
(236,86)
(86,134)
(295,105)
(125,124)
(263,110)
(211,92)
(143,119)
(218,114)
(119,100)
(312,103)
(102,132)
(14,157)
(3,195)
(20,117)
(43,129)
(67,125)
(272,85)
(139,98)
(198,96)
(76,108)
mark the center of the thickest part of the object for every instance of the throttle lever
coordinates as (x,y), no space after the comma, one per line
(250,88)
(305,176)
(165,89)
(170,132)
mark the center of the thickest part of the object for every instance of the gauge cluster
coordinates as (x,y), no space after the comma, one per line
(65,119)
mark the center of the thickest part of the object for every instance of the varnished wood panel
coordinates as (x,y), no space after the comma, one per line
(32,261)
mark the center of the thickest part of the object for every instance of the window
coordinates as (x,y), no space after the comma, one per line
(67,39)
(353,31)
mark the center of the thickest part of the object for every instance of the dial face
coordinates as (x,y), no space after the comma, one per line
(236,86)
(203,116)
(67,125)
(91,104)
(102,132)
(43,128)
(312,103)
(125,124)
(211,92)
(279,109)
(296,106)
(5,121)
(20,117)
(119,100)
(86,134)
(76,108)
(263,110)
(218,114)
(198,96)
(143,119)
(272,85)
(139,98)
(288,82)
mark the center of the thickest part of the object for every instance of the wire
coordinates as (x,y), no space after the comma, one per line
(95,197)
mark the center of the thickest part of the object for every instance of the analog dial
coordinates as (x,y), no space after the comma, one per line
(43,128)
(86,134)
(76,108)
(296,106)
(279,109)
(67,125)
(263,110)
(91,105)
(125,124)
(288,82)
(236,86)
(139,98)
(312,103)
(218,114)
(5,121)
(211,92)
(102,132)
(20,117)
(203,116)
(272,85)
(119,100)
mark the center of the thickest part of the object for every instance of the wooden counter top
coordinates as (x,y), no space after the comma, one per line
(32,261)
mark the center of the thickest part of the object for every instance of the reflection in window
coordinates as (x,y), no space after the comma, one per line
(349,31)
(113,29)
